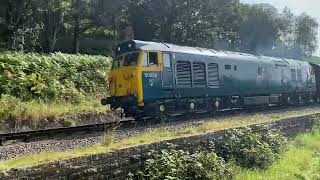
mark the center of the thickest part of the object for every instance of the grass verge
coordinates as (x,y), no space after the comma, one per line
(34,111)
(154,135)
(301,161)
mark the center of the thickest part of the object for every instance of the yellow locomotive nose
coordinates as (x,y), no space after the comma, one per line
(123,83)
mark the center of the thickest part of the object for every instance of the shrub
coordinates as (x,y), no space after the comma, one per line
(53,77)
(178,164)
(250,149)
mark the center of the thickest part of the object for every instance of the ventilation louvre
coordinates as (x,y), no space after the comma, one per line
(184,73)
(199,74)
(213,75)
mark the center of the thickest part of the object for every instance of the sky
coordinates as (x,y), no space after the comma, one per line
(311,7)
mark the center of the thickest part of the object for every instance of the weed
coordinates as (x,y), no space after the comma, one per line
(69,123)
(109,136)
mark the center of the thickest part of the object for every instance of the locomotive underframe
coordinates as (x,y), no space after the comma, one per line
(180,106)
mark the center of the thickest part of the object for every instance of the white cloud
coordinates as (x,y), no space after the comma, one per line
(311,7)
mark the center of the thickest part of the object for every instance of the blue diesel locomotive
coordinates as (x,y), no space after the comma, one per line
(150,79)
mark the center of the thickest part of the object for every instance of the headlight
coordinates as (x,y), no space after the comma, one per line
(134,74)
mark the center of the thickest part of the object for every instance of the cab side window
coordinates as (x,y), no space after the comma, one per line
(145,60)
(166,60)
(153,59)
(150,59)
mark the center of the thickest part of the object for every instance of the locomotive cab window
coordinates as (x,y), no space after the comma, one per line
(227,67)
(117,62)
(131,59)
(127,60)
(150,59)
(166,60)
(145,60)
(153,59)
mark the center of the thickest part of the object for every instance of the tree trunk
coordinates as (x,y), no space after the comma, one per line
(52,24)
(76,30)
(76,35)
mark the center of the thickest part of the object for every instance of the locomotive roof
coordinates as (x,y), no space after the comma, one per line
(136,45)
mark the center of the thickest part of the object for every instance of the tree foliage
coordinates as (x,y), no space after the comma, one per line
(93,26)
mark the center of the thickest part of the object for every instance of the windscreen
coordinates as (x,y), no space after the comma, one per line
(126,60)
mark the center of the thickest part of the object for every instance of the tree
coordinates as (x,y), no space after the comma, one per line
(76,16)
(20,28)
(82,15)
(306,35)
(224,17)
(35,25)
(110,14)
(287,26)
(13,20)
(53,14)
(259,30)
(186,22)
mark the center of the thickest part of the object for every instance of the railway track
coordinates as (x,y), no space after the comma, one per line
(49,133)
(29,136)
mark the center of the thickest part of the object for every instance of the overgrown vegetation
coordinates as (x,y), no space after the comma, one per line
(243,147)
(178,164)
(301,161)
(252,150)
(55,77)
(15,111)
(34,86)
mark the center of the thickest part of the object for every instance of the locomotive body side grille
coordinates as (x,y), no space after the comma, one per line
(183,69)
(213,75)
(199,74)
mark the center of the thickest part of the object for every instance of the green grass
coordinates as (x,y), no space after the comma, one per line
(34,111)
(153,135)
(301,161)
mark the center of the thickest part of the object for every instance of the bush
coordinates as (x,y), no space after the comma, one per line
(173,164)
(250,149)
(54,77)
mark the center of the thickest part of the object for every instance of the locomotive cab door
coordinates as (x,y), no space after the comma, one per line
(167,72)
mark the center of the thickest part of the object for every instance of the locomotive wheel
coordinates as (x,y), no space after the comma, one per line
(163,117)
(162,113)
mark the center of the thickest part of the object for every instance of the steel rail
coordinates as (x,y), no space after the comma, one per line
(26,136)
